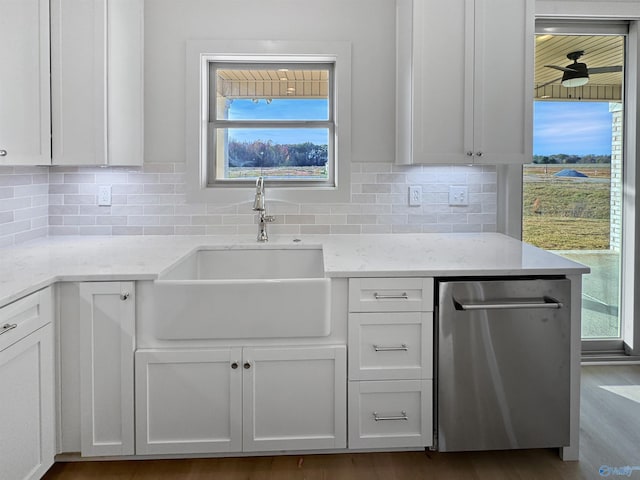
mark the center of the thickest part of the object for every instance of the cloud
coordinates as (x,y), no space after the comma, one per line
(572,127)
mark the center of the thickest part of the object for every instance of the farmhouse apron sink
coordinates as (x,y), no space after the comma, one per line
(244,293)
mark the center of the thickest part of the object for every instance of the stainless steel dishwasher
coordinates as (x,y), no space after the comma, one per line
(503,364)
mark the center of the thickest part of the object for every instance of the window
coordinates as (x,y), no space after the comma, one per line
(274,120)
(575,189)
(276,109)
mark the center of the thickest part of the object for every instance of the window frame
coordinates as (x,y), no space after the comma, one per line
(263,63)
(199,52)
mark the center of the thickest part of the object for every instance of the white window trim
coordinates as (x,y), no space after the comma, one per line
(199,53)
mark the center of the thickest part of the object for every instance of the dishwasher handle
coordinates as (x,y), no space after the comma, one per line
(545,302)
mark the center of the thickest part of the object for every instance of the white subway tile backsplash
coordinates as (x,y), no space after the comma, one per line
(126,230)
(376,229)
(24,204)
(345,229)
(190,230)
(151,200)
(15,179)
(315,229)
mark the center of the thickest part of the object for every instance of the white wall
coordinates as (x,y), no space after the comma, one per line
(368,24)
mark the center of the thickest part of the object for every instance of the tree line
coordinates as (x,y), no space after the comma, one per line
(268,154)
(563,158)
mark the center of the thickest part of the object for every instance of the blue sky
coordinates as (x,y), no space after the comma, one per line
(576,128)
(279,109)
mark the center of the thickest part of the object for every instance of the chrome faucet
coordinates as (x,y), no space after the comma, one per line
(260,206)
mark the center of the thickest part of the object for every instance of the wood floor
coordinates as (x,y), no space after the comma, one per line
(610,436)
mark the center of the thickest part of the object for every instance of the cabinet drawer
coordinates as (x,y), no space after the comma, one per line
(24,316)
(394,413)
(391,294)
(390,346)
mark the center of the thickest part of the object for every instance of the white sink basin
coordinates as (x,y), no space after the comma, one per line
(248,264)
(244,293)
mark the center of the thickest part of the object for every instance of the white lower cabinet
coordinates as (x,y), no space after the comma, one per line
(390,413)
(390,330)
(188,401)
(96,343)
(240,399)
(107,343)
(27,439)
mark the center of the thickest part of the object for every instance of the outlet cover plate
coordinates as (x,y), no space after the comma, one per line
(104,195)
(415,195)
(458,195)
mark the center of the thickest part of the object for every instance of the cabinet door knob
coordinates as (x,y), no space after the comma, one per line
(124,296)
(478,154)
(247,365)
(234,365)
(469,154)
(3,153)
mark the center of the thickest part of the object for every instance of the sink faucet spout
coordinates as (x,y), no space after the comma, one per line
(260,206)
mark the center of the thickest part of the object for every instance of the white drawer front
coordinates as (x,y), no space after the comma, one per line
(390,414)
(24,316)
(391,294)
(390,346)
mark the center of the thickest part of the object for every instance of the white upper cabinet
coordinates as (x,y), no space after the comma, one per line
(25,132)
(464,81)
(97,82)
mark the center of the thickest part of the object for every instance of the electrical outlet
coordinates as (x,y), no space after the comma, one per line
(104,195)
(458,195)
(415,195)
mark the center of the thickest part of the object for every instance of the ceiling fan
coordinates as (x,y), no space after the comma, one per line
(577,74)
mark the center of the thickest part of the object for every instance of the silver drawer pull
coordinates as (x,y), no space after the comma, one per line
(545,302)
(6,327)
(402,416)
(402,296)
(124,296)
(401,348)
(3,153)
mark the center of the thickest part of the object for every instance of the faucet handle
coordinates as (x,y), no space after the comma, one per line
(258,202)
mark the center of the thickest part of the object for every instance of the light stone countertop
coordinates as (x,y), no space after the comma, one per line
(28,267)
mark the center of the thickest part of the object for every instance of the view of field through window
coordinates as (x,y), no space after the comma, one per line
(571,205)
(273,122)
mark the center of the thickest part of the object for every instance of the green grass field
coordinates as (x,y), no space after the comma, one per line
(566,213)
(319,173)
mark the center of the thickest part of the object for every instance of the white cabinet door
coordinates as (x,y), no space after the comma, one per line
(27,402)
(25,125)
(96,84)
(503,82)
(294,398)
(440,73)
(188,401)
(240,399)
(465,81)
(107,343)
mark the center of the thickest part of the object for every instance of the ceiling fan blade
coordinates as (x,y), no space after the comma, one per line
(548,83)
(609,69)
(562,69)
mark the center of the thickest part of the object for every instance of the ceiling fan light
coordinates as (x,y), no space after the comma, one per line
(575,82)
(577,77)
